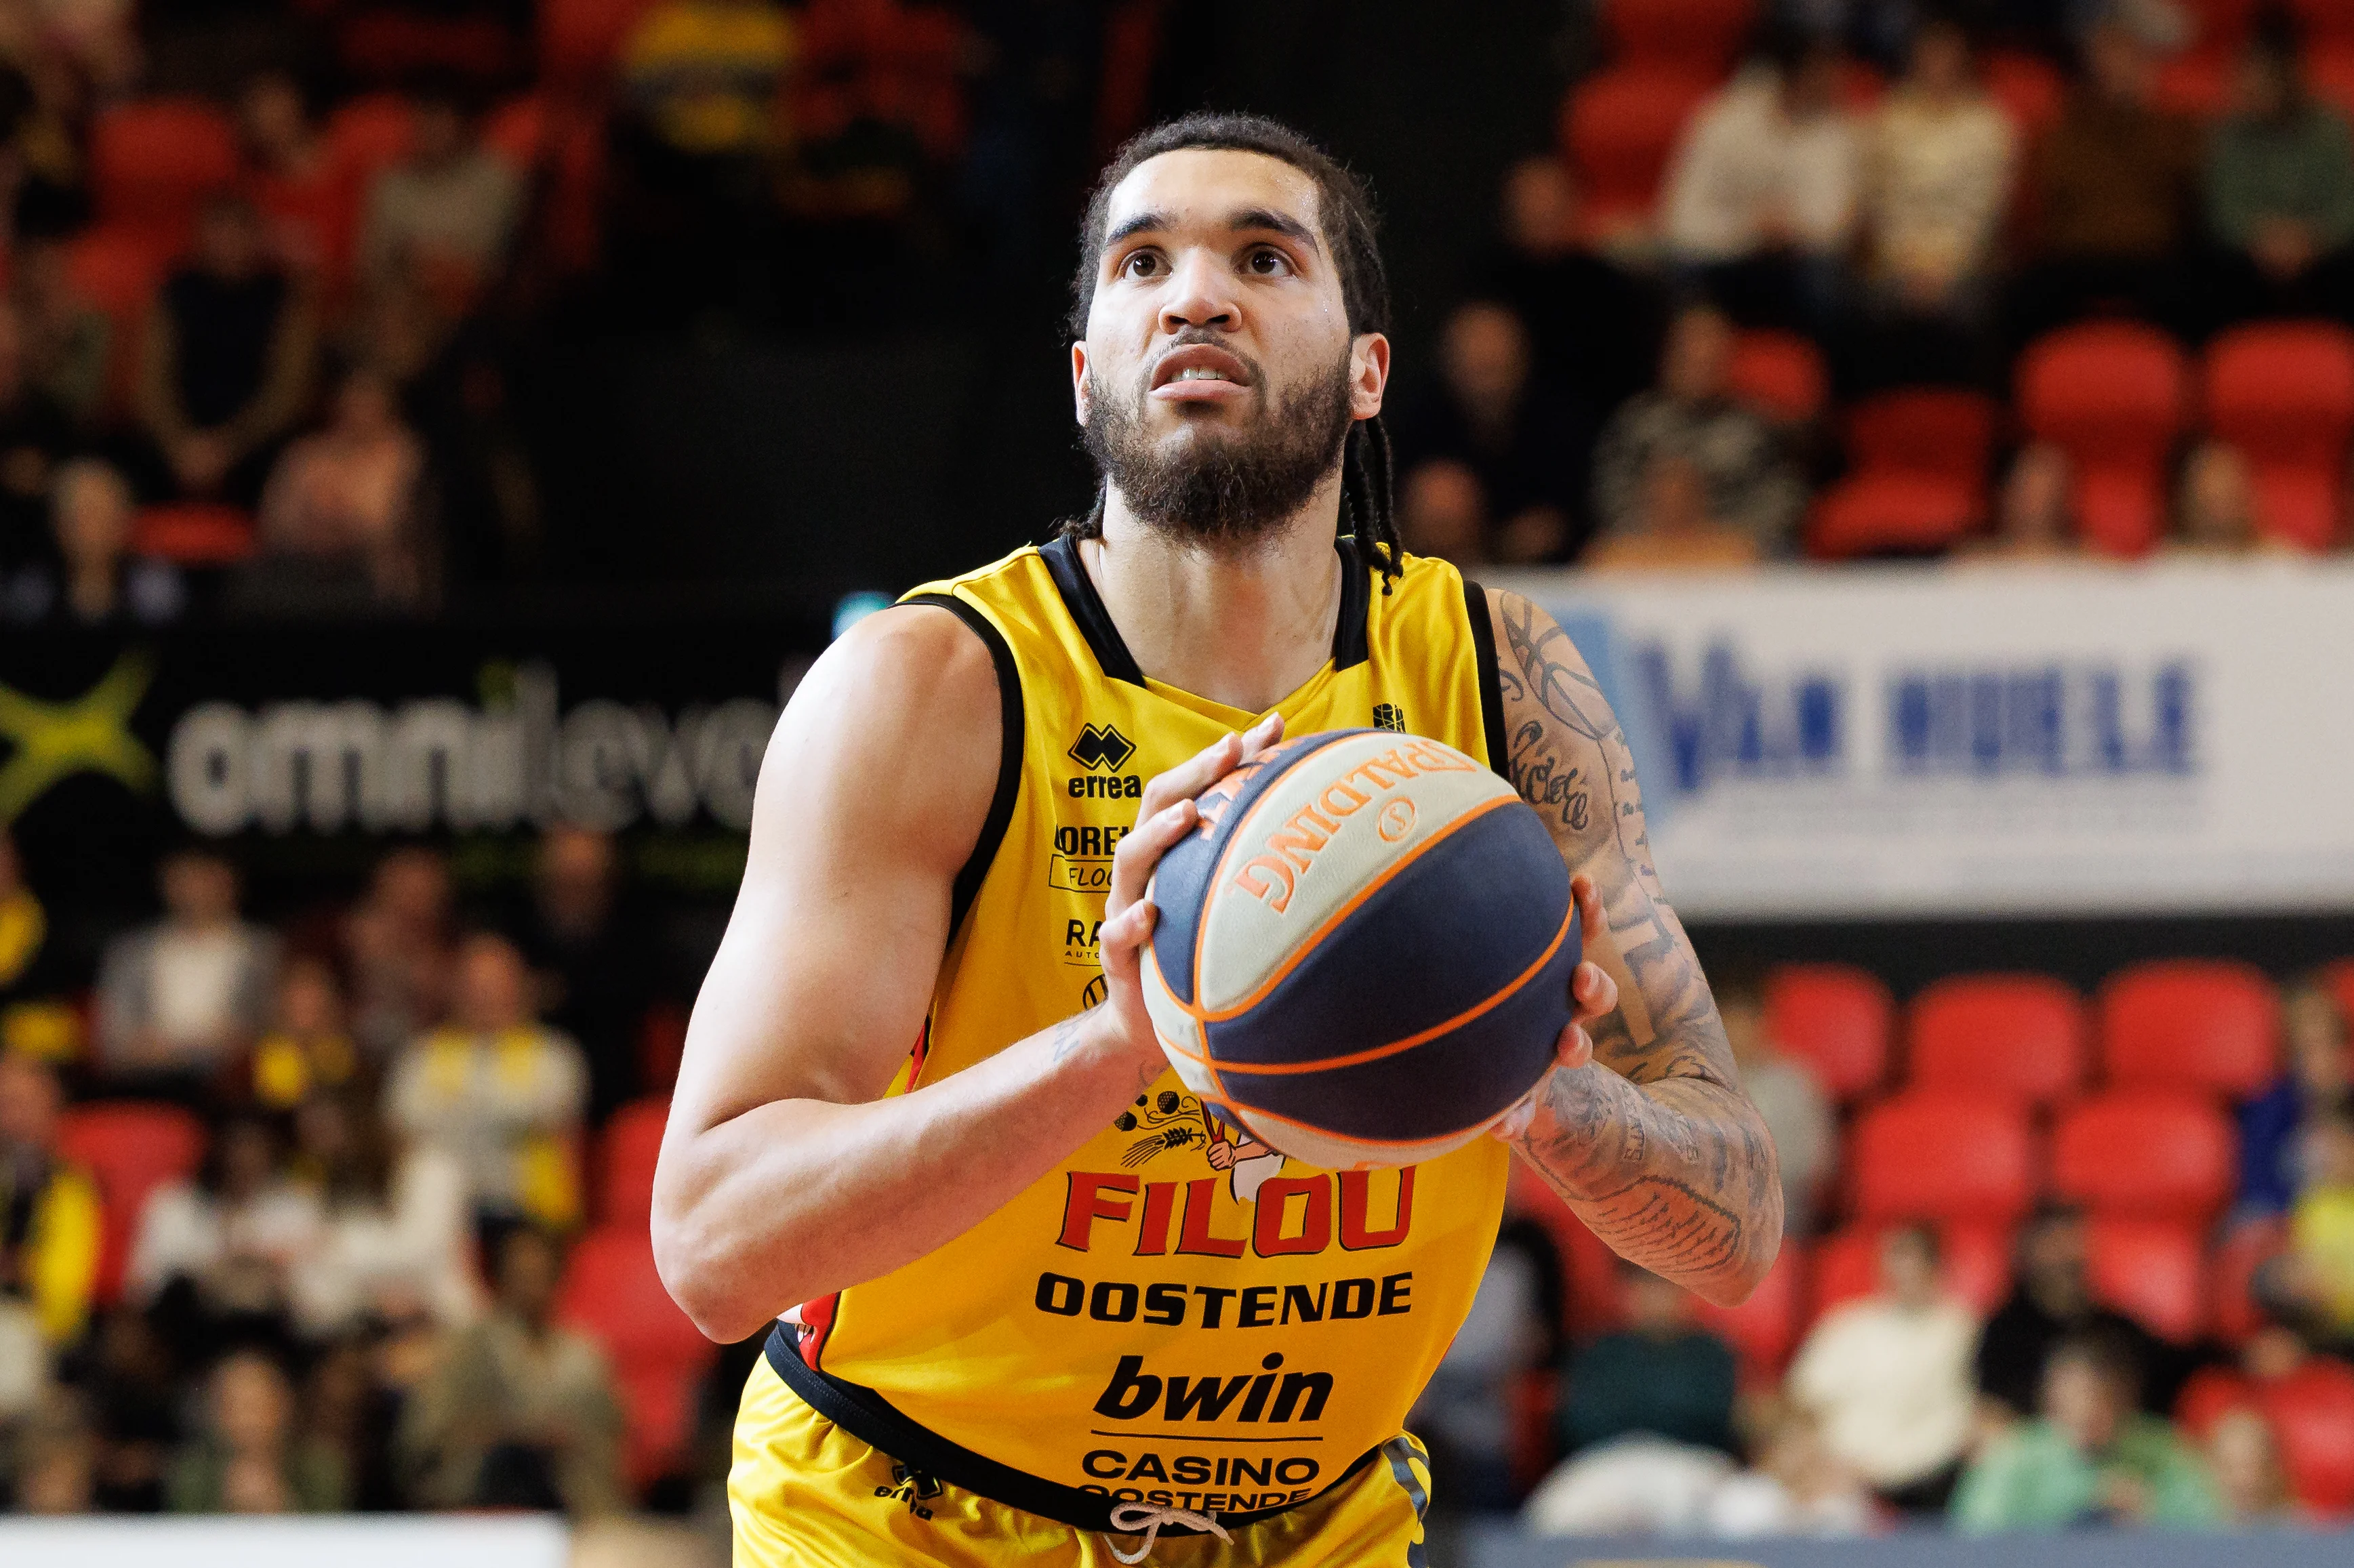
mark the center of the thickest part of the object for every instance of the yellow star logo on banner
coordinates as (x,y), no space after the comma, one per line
(90,734)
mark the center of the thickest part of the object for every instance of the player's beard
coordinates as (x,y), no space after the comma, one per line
(1223,488)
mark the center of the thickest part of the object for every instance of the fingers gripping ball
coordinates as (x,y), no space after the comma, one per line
(1363,953)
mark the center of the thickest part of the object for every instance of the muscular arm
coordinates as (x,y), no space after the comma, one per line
(1652,1142)
(785,1174)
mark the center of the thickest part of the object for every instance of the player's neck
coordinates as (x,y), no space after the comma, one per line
(1246,626)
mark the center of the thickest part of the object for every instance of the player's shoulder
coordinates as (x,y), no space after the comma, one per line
(1016,567)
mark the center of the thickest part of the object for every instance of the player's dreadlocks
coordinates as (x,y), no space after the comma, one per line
(1345,210)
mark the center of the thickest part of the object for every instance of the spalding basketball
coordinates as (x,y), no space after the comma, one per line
(1363,953)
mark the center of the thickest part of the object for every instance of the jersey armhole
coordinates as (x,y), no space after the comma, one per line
(1492,687)
(966,886)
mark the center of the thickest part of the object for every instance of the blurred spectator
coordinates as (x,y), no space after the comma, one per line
(2215,505)
(1673,532)
(288,171)
(707,75)
(341,528)
(2052,1299)
(94,580)
(593,950)
(66,343)
(1799,1486)
(442,216)
(2280,191)
(35,437)
(2318,1074)
(250,1458)
(1593,327)
(223,1245)
(51,189)
(523,1414)
(2113,188)
(1938,181)
(1760,202)
(307,1049)
(1636,1484)
(24,925)
(226,368)
(2034,513)
(1465,1412)
(2321,1223)
(502,1092)
(49,1209)
(136,1399)
(57,1460)
(1889,1377)
(1516,443)
(178,1000)
(1691,416)
(396,942)
(1797,1114)
(2091,1458)
(397,1234)
(1660,1374)
(2251,1488)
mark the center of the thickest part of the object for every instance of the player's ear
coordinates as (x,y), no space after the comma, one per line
(1369,374)
(1080,399)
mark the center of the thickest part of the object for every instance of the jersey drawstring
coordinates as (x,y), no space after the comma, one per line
(1128,1518)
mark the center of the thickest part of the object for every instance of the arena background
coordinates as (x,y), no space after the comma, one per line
(435,436)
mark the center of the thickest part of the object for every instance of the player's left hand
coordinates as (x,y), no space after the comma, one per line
(1592,994)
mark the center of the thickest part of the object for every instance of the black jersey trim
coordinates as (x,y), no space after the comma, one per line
(875,1420)
(1491,685)
(1061,554)
(966,886)
(1351,640)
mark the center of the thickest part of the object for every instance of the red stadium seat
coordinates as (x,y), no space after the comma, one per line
(368,134)
(2246,1247)
(2339,978)
(2196,84)
(2113,396)
(580,39)
(2330,74)
(1764,1329)
(2148,1153)
(2153,1272)
(2222,24)
(2030,89)
(2193,1023)
(1781,375)
(517,129)
(2283,392)
(1697,37)
(1977,1265)
(2324,25)
(2312,1412)
(193,533)
(1836,1019)
(1933,1154)
(1936,430)
(611,1293)
(2211,1395)
(1618,128)
(1892,514)
(1589,1297)
(2006,1034)
(626,1152)
(129,1147)
(153,163)
(391,45)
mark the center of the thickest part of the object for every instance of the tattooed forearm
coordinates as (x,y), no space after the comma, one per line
(1654,1144)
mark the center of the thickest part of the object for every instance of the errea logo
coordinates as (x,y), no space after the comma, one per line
(1101,748)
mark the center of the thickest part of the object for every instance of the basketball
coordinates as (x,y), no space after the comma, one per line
(1363,953)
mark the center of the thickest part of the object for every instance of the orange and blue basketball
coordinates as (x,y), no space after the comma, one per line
(1363,953)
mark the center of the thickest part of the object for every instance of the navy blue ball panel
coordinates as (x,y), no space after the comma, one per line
(1441,1086)
(1181,883)
(1459,923)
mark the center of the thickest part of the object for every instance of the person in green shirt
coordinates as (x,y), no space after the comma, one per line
(2091,1458)
(2280,190)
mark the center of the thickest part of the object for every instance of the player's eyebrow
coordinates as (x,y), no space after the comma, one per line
(1241,222)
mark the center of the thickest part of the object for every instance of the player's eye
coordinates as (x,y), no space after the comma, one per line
(1267,262)
(1141,264)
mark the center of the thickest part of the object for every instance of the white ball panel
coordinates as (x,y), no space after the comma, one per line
(1319,835)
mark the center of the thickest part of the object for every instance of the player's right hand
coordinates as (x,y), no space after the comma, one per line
(1166,814)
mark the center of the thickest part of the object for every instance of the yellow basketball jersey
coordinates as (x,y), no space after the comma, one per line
(1142,1324)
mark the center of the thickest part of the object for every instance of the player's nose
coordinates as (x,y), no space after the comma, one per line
(1199,293)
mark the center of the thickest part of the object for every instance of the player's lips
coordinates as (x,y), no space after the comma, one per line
(1199,372)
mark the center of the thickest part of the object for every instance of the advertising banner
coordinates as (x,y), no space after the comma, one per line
(1974,741)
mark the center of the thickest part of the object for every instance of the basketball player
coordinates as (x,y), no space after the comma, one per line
(1041,1306)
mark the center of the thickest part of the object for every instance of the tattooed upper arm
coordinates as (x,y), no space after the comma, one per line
(1569,758)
